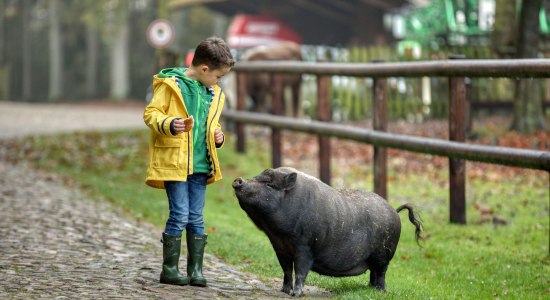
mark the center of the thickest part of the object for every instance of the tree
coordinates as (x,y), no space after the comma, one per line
(93,20)
(528,112)
(2,34)
(504,34)
(56,51)
(26,81)
(92,60)
(3,66)
(119,48)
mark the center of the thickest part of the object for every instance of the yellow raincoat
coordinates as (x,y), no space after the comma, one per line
(171,156)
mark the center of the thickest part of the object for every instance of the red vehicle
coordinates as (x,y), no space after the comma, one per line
(247,31)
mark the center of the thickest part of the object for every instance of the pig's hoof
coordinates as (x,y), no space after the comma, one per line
(287,288)
(297,293)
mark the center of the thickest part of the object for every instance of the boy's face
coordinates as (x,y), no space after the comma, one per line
(210,77)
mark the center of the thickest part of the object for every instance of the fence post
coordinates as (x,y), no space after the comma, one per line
(457,167)
(241,106)
(468,127)
(323,114)
(277,104)
(380,123)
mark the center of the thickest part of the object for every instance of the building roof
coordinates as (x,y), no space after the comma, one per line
(327,22)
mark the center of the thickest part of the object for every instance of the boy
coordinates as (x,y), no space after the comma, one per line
(185,133)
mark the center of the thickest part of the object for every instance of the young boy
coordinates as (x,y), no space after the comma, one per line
(185,133)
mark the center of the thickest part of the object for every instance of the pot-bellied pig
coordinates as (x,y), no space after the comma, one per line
(315,227)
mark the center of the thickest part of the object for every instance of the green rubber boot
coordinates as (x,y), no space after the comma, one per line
(195,255)
(171,248)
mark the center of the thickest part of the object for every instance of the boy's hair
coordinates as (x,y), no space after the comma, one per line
(214,53)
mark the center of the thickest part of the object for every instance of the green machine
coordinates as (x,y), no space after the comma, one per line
(454,22)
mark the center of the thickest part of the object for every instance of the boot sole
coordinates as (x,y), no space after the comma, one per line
(200,283)
(174,282)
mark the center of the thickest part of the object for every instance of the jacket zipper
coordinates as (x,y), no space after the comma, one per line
(208,130)
(188,132)
(188,153)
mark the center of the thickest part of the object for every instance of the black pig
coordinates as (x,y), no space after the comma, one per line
(315,227)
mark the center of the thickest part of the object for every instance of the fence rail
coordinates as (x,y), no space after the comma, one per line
(456,149)
(515,157)
(445,68)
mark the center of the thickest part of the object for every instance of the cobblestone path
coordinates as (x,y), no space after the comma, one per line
(56,243)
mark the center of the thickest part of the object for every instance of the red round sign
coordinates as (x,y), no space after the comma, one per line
(160,33)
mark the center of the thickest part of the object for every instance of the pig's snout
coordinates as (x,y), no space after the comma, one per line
(238,183)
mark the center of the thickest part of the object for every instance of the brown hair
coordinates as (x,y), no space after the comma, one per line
(214,53)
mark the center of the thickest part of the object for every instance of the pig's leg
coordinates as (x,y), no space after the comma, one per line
(378,264)
(380,278)
(381,281)
(302,264)
(372,281)
(286,264)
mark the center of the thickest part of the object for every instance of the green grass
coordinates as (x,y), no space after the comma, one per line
(477,261)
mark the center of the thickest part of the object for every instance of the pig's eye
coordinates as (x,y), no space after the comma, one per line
(264,179)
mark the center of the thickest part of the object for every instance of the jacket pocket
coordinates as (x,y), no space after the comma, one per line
(167,153)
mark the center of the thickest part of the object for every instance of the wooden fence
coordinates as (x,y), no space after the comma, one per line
(412,98)
(456,150)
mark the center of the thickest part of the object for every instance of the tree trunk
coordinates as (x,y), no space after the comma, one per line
(56,52)
(26,79)
(504,34)
(120,62)
(528,110)
(92,60)
(2,34)
(4,69)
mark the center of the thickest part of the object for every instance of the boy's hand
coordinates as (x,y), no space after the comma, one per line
(183,125)
(218,136)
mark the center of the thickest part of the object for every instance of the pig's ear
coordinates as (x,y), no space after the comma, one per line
(289,181)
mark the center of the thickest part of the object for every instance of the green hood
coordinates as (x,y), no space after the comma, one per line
(171,72)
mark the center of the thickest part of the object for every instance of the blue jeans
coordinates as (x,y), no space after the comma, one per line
(186,202)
